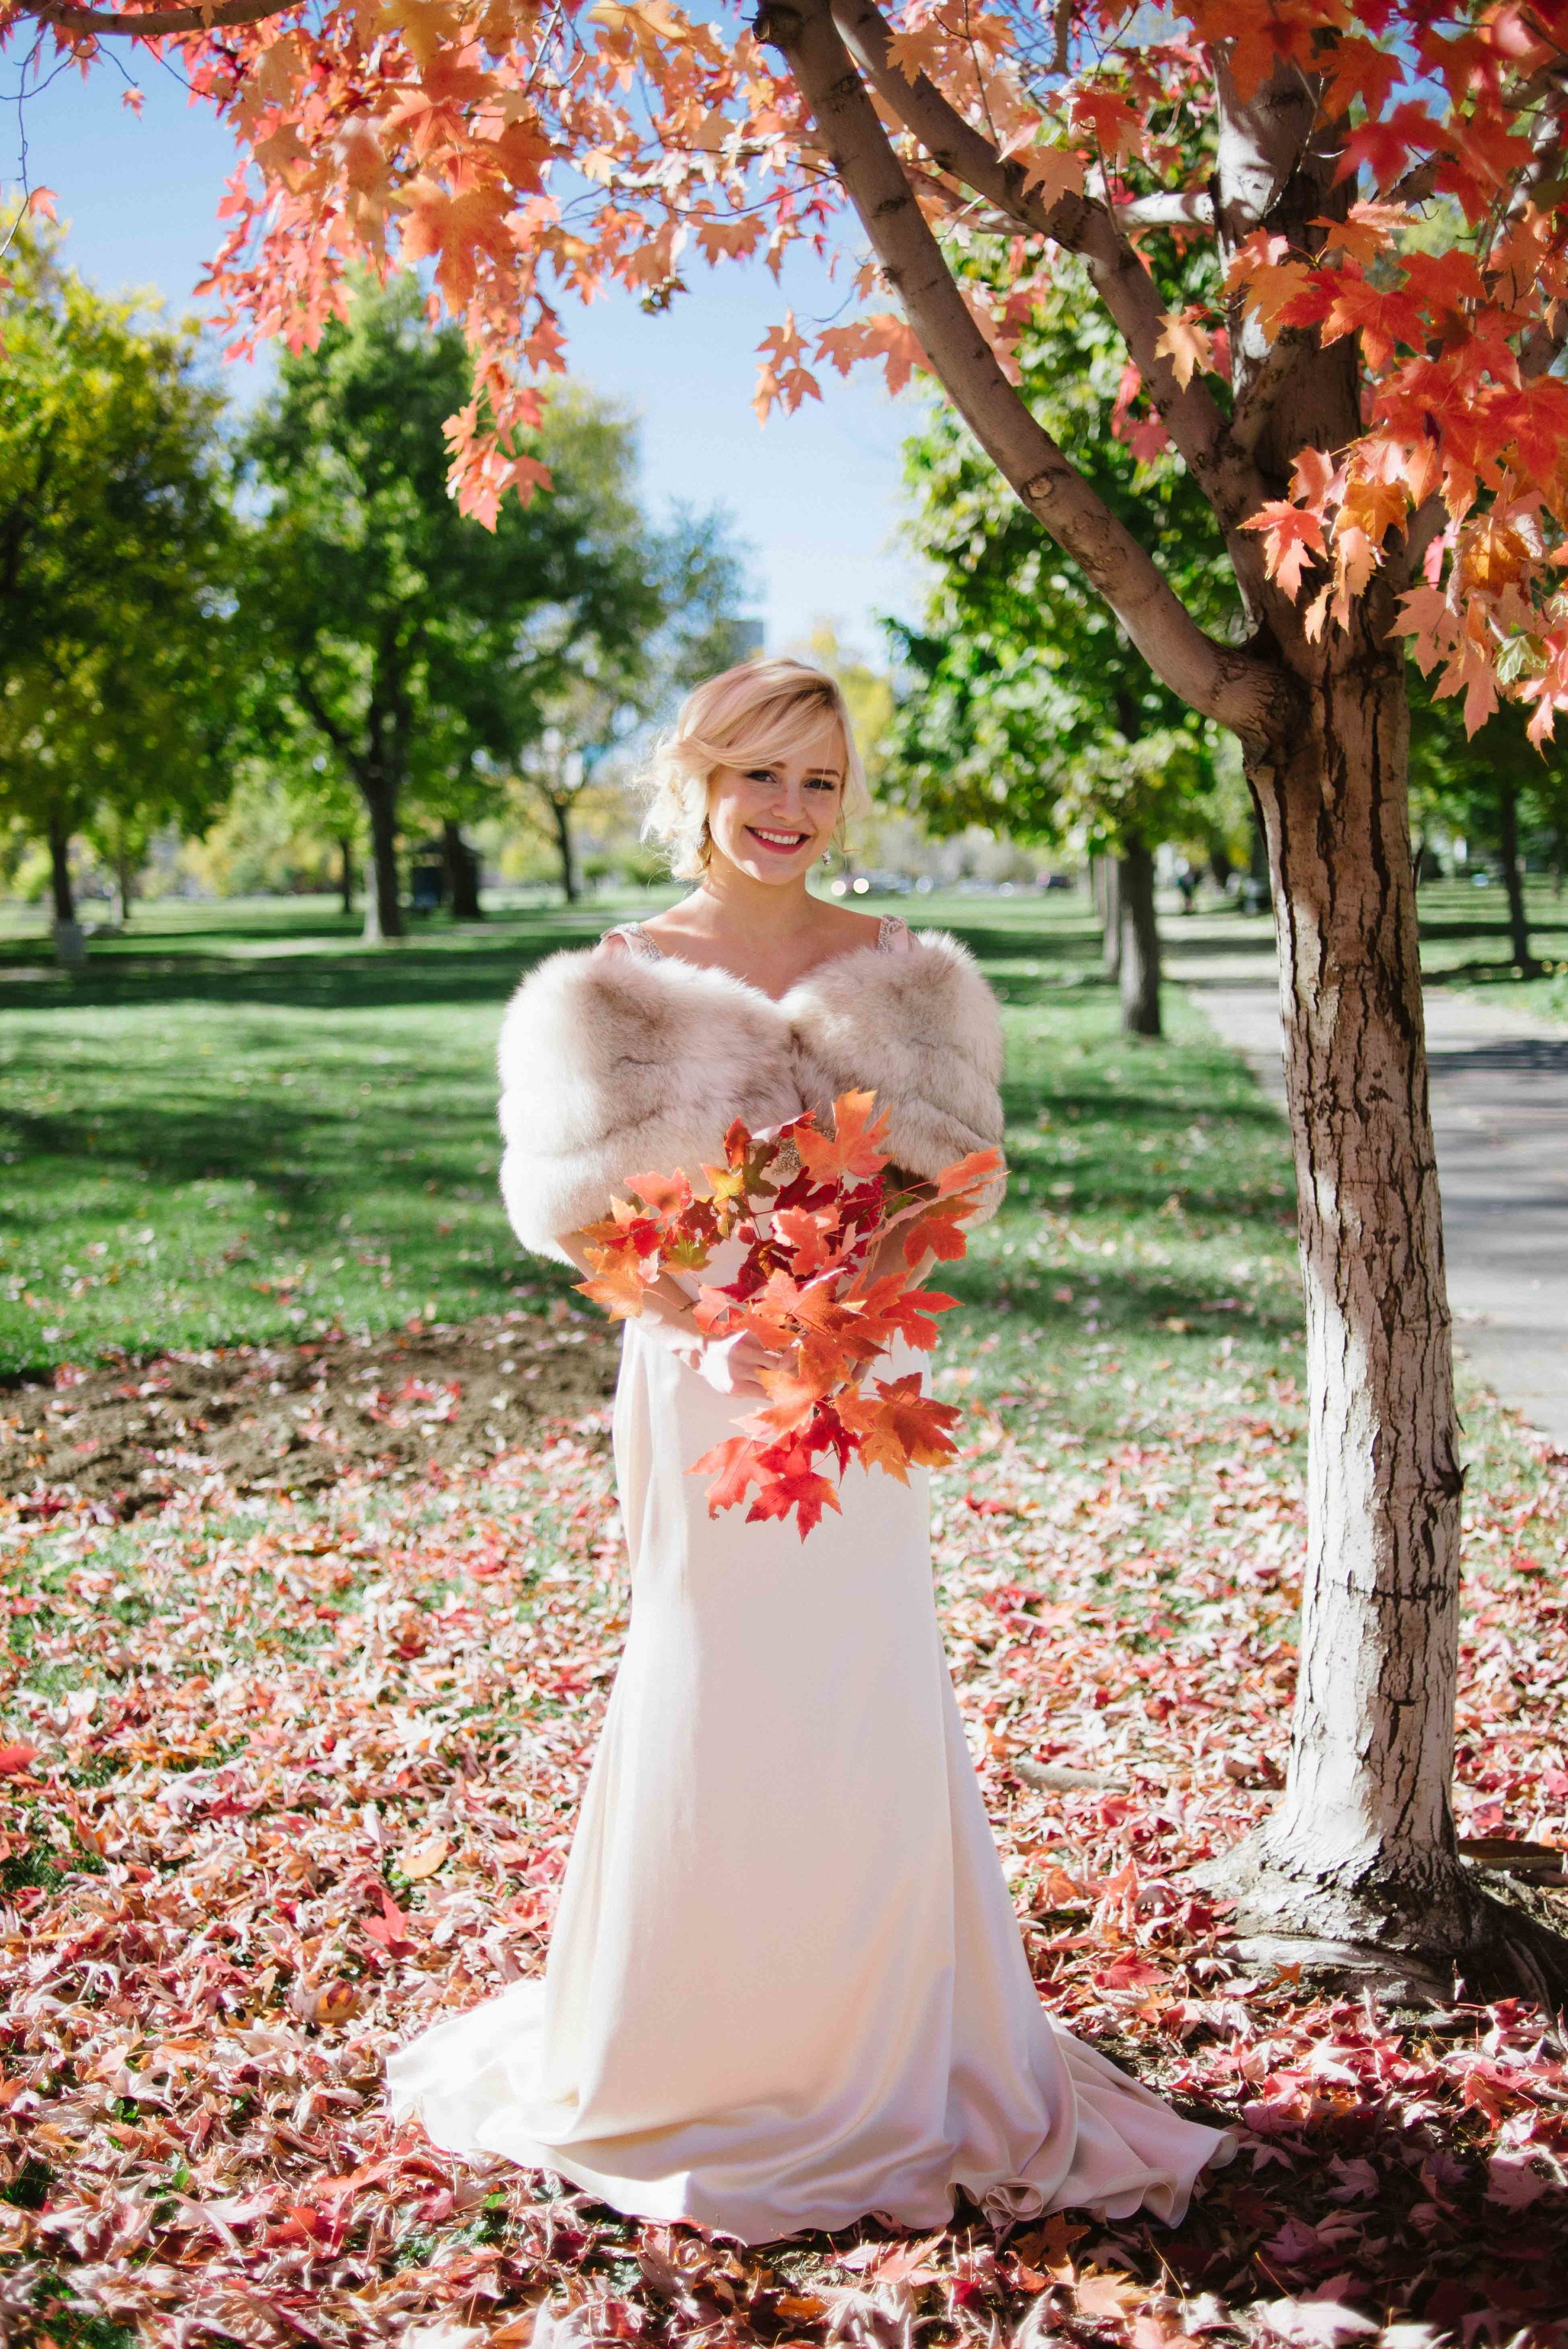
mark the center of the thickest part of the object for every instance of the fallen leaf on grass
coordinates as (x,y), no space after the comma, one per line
(420,1859)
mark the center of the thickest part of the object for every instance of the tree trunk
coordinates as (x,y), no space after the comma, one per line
(125,888)
(70,946)
(462,874)
(1140,939)
(560,809)
(1361,1849)
(1110,914)
(383,913)
(61,887)
(1513,876)
(346,872)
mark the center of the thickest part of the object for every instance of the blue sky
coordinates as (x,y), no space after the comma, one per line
(815,495)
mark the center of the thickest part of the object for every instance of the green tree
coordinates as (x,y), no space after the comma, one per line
(1495,788)
(405,634)
(553,717)
(116,581)
(1028,704)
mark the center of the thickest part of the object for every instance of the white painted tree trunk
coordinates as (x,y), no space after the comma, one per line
(1361,1845)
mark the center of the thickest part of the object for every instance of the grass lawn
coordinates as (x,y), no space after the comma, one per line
(1465,943)
(241,1124)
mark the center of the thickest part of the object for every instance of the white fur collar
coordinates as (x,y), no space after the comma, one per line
(612,1064)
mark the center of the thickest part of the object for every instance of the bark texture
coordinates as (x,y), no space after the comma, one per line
(1361,1845)
(1138,932)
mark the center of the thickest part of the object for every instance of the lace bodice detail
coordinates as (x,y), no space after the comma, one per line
(893,936)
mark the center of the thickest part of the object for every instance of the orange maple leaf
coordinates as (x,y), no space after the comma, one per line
(900,1427)
(803,1234)
(619,1283)
(1187,344)
(853,1152)
(966,1173)
(667,1195)
(457,229)
(794,1397)
(1294,537)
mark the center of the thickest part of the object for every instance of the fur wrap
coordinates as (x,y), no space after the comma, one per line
(613,1064)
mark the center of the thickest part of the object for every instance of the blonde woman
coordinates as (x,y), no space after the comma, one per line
(786,1986)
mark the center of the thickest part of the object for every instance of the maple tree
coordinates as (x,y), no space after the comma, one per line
(1377,426)
(813,1212)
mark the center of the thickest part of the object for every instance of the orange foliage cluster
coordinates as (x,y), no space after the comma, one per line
(529,149)
(807,1292)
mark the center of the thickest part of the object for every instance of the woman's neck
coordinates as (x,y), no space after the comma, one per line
(729,902)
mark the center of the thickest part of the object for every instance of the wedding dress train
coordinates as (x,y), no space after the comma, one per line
(786,1986)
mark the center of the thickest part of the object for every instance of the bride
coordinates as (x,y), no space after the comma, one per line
(786,1987)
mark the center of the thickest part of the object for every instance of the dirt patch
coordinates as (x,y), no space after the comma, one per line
(294,1418)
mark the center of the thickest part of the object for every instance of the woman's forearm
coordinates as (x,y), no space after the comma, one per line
(666,1300)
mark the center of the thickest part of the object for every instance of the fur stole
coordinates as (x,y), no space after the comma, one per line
(615,1064)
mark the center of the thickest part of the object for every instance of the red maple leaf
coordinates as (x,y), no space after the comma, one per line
(389,1930)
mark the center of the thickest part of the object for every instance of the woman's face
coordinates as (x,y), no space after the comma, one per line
(775,821)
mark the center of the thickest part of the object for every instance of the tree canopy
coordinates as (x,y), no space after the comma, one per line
(409,639)
(1029,705)
(116,584)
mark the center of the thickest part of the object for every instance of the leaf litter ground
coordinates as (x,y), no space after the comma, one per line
(288,1774)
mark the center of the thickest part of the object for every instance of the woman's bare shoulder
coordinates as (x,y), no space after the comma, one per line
(844,929)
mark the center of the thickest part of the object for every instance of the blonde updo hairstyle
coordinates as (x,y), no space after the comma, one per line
(748,716)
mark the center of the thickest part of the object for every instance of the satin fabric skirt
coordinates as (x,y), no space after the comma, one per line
(786,1986)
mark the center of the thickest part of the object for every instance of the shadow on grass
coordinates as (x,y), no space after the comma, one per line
(376,980)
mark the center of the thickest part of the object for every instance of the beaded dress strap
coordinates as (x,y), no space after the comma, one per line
(632,935)
(893,936)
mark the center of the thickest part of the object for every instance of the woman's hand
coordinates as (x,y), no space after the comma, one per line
(731,1366)
(728,1365)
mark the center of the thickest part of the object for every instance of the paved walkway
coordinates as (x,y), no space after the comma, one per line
(1500,1107)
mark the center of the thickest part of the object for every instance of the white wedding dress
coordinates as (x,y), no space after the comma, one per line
(786,1987)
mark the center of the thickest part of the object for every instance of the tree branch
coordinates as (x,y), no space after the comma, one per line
(1190,415)
(150,24)
(1267,174)
(1224,682)
(1175,208)
(316,712)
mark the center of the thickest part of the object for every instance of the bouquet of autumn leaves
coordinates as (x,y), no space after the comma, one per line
(813,1210)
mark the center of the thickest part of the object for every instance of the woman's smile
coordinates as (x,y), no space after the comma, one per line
(779,843)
